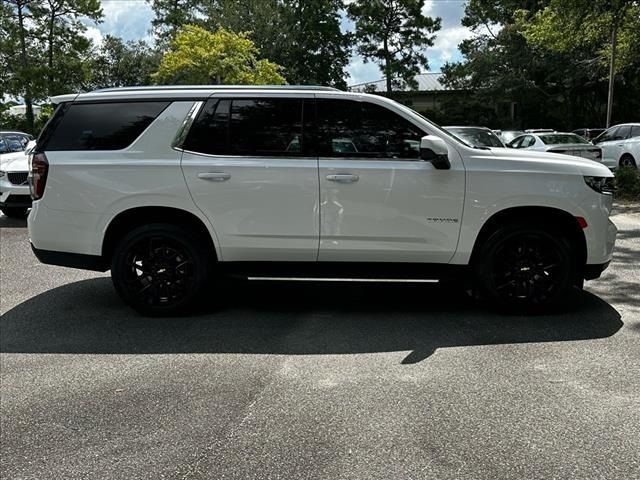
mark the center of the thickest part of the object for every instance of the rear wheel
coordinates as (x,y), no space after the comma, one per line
(161,269)
(525,268)
(15,212)
(627,161)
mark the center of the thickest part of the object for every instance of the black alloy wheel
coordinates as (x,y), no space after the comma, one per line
(526,268)
(160,270)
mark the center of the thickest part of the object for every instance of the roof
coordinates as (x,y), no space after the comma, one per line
(183,92)
(427,82)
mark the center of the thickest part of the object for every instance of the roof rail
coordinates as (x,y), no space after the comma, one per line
(217,87)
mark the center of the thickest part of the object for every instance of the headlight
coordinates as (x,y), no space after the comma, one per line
(602,185)
(2,173)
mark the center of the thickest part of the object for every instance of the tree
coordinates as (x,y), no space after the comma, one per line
(58,23)
(394,34)
(170,17)
(608,28)
(198,56)
(42,48)
(17,45)
(119,64)
(304,36)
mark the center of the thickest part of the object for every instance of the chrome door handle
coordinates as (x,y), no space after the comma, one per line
(343,178)
(215,176)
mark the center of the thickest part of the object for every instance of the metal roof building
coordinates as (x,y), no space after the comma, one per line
(427,82)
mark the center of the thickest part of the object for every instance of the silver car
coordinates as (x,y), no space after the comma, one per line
(557,142)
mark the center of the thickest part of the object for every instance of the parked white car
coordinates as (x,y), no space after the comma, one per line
(167,186)
(620,145)
(15,198)
(557,142)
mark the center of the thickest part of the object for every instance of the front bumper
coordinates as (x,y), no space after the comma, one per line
(14,195)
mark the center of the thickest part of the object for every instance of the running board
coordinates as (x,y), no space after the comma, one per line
(330,279)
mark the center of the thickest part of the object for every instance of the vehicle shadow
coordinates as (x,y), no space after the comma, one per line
(285,318)
(6,222)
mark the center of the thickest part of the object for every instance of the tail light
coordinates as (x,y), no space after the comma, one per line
(39,169)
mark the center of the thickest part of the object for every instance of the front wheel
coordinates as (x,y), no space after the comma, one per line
(161,270)
(15,212)
(627,161)
(525,268)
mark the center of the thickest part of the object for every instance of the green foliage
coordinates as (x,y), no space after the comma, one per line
(394,34)
(119,64)
(628,183)
(170,16)
(303,36)
(569,26)
(19,122)
(551,87)
(42,47)
(198,56)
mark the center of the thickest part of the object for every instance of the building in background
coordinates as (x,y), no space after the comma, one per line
(445,105)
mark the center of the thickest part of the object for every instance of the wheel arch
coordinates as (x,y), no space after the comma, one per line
(548,217)
(131,218)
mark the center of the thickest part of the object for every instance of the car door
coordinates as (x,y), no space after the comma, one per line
(607,142)
(246,164)
(379,202)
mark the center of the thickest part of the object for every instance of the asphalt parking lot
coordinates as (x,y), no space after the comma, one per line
(317,381)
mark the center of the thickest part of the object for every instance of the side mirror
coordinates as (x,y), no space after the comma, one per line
(433,149)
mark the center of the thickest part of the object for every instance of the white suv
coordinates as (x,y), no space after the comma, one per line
(167,186)
(14,168)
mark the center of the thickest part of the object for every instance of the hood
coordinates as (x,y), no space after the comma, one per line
(551,162)
(14,162)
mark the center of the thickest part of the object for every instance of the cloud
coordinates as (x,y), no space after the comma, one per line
(445,47)
(361,72)
(127,19)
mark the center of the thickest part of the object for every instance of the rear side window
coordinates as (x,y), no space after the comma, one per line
(101,126)
(249,127)
(635,131)
(347,128)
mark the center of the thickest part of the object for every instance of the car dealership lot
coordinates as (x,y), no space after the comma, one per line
(316,380)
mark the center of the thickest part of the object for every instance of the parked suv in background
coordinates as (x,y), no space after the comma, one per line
(620,145)
(168,186)
(14,168)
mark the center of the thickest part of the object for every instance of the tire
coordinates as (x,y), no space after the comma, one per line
(627,161)
(161,269)
(525,269)
(15,212)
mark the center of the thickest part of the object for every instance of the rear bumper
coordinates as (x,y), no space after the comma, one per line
(71,260)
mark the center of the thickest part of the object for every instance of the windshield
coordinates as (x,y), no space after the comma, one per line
(13,143)
(478,137)
(561,139)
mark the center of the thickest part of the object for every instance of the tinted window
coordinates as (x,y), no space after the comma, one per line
(635,131)
(260,127)
(623,133)
(103,126)
(348,128)
(516,142)
(608,135)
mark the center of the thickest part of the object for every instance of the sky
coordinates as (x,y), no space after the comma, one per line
(131,20)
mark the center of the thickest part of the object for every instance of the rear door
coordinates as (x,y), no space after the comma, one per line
(379,201)
(247,166)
